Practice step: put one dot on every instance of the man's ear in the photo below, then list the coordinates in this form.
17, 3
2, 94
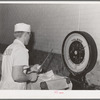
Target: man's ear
24, 35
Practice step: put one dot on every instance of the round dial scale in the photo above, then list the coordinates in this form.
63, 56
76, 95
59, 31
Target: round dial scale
79, 52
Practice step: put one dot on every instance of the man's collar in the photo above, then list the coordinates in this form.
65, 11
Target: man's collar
18, 41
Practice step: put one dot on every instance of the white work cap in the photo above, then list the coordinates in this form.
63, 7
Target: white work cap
22, 27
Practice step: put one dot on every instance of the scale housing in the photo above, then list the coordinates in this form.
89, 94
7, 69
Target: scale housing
79, 53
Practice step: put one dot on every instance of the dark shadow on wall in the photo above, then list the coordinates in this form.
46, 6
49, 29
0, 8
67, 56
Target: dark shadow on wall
30, 47
54, 62
31, 42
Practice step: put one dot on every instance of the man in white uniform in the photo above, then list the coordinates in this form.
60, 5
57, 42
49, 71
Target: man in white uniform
15, 61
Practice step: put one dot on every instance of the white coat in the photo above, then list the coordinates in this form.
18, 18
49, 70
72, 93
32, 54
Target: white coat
15, 54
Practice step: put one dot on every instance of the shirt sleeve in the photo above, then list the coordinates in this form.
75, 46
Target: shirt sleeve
21, 57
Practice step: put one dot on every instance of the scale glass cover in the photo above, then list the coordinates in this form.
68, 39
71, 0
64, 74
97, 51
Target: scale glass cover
79, 52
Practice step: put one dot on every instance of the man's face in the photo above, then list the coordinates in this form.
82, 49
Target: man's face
27, 37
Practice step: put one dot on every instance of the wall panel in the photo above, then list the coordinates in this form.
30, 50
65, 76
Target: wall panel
50, 23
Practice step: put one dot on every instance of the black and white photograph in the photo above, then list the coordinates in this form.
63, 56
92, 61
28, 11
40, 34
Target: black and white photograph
50, 46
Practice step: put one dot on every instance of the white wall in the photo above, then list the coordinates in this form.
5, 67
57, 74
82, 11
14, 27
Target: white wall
51, 22
90, 22
1, 20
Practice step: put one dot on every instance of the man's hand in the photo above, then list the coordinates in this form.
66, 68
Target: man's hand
33, 77
35, 67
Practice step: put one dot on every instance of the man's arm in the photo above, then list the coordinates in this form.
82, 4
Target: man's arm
19, 75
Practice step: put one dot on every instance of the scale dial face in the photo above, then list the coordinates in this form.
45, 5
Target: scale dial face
77, 51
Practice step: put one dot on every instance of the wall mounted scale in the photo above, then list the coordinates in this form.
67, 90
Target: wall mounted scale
79, 52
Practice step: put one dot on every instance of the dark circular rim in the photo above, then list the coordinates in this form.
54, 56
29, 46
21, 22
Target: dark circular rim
92, 52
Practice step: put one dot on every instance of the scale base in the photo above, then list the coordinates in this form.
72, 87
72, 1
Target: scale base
79, 83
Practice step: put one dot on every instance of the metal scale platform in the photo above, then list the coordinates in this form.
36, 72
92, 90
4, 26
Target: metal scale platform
79, 52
